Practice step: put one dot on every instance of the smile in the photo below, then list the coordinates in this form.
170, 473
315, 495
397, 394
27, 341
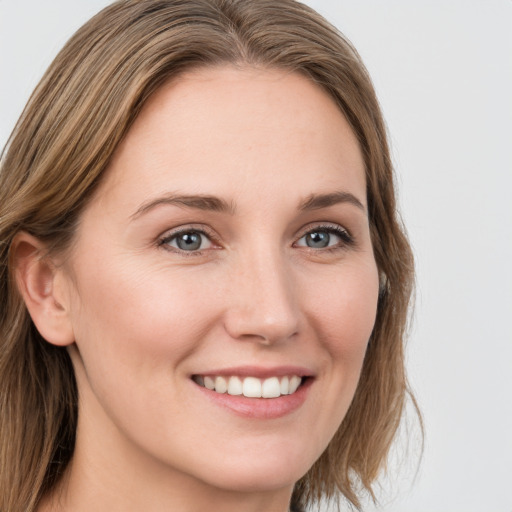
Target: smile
250, 387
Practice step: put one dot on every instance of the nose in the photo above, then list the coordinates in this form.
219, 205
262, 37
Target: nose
263, 305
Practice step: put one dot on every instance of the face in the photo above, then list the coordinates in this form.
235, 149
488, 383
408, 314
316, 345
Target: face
228, 247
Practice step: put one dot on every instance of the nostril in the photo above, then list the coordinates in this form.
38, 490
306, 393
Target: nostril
255, 327
263, 305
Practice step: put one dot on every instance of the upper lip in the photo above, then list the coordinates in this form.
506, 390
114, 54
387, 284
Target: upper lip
260, 371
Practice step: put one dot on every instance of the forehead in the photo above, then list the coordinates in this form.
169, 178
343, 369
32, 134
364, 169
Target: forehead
224, 130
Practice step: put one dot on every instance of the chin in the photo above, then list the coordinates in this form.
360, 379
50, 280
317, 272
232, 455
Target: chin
259, 472
256, 480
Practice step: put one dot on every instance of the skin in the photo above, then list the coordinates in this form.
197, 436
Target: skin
140, 316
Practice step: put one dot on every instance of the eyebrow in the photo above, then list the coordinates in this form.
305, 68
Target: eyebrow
318, 201
199, 202
215, 204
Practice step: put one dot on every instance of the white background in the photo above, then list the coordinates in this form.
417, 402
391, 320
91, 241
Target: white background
443, 73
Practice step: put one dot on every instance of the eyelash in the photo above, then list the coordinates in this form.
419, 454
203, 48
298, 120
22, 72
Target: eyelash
347, 240
169, 237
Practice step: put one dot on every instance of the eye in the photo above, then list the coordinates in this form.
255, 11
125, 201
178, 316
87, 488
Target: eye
190, 240
325, 237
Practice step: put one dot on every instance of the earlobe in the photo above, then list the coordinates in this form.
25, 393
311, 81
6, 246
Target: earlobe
40, 284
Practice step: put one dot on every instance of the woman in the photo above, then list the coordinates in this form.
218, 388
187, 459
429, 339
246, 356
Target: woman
204, 281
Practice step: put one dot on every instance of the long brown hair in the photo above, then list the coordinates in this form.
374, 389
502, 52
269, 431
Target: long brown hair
55, 158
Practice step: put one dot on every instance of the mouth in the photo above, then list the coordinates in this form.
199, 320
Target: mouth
251, 386
256, 392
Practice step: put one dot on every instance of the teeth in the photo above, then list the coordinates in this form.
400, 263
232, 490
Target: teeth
209, 383
294, 384
235, 386
271, 388
221, 385
285, 385
251, 387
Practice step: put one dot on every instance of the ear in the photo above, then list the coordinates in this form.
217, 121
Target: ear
43, 287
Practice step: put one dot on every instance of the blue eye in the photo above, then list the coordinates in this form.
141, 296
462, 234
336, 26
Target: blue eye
325, 237
189, 241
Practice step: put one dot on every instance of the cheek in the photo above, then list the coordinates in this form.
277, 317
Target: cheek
137, 297
136, 327
344, 315
344, 310
341, 312
126, 317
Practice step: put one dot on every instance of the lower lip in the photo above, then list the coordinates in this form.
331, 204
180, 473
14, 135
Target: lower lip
260, 408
